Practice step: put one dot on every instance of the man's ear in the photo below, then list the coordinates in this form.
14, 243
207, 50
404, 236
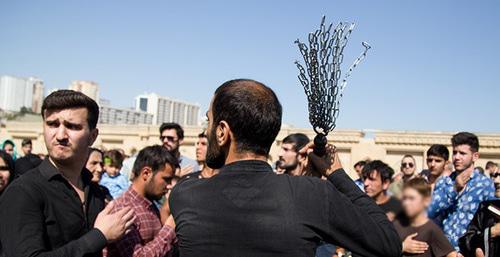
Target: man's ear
146, 173
475, 156
386, 184
94, 133
223, 134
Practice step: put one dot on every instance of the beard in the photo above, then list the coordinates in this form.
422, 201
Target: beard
215, 156
288, 166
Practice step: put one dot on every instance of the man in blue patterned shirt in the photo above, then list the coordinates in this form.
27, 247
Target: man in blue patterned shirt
456, 197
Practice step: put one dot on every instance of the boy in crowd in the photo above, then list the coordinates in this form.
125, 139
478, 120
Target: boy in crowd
457, 197
358, 167
420, 236
112, 179
437, 160
377, 177
153, 231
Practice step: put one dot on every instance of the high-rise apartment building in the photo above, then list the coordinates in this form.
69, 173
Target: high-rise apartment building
89, 88
165, 109
16, 93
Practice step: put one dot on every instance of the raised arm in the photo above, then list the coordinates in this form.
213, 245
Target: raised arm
352, 219
443, 197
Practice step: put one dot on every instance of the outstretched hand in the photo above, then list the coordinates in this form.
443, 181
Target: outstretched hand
324, 165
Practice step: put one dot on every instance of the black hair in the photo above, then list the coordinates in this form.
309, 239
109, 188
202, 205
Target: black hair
298, 140
8, 142
466, 138
67, 99
26, 141
172, 125
385, 171
439, 151
155, 157
490, 165
115, 157
9, 162
360, 163
203, 134
252, 111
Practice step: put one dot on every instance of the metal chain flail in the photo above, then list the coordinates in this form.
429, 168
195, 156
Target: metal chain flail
321, 76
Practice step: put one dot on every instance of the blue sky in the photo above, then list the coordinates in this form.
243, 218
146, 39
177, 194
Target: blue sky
433, 65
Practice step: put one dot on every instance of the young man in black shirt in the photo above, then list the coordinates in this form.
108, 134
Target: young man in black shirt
55, 210
377, 178
248, 210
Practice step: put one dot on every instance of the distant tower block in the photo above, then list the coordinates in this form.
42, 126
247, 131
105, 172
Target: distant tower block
89, 88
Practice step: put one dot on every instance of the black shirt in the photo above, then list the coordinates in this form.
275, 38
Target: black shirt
247, 210
392, 207
42, 215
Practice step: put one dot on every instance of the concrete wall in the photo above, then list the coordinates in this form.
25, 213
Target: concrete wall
354, 145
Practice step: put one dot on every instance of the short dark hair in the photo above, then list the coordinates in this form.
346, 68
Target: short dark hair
115, 158
26, 141
360, 163
439, 151
172, 125
9, 162
490, 165
156, 157
384, 170
203, 134
420, 185
298, 140
253, 112
67, 99
466, 138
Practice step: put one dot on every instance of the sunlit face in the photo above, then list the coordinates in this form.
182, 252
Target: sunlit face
159, 183
408, 166
374, 186
27, 149
112, 170
95, 165
463, 157
170, 139
8, 148
201, 149
436, 164
414, 203
67, 135
215, 155
496, 179
288, 157
4, 175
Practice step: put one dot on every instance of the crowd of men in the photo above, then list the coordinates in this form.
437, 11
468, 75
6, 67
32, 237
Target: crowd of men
228, 201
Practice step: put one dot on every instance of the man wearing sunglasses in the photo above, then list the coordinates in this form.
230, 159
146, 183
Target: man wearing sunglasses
407, 172
172, 136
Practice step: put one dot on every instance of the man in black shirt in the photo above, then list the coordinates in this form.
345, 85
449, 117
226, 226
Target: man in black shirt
247, 210
377, 177
55, 209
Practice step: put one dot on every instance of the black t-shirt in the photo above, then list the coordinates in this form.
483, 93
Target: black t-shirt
392, 207
430, 233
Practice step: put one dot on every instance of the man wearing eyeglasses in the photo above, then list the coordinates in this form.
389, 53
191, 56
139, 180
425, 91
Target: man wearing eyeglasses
171, 136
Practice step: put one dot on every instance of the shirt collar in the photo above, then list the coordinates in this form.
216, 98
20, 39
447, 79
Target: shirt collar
137, 198
49, 171
247, 166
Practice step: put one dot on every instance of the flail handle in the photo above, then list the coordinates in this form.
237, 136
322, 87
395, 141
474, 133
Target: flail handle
320, 142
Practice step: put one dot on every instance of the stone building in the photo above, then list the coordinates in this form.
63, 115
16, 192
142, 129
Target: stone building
354, 145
